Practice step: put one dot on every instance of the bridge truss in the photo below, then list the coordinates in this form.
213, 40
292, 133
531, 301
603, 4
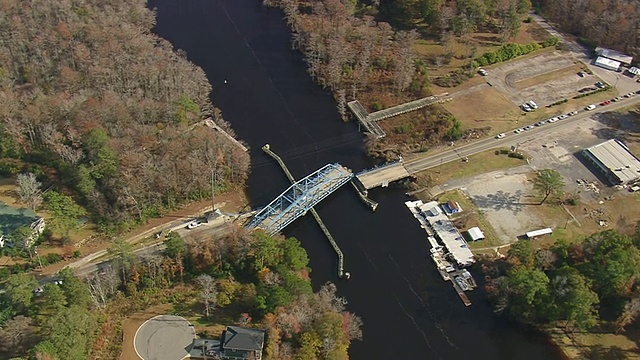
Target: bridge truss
300, 198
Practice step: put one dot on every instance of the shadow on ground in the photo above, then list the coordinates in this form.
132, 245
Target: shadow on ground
501, 201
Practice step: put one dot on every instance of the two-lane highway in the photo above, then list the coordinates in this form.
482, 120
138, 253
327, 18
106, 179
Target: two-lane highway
460, 152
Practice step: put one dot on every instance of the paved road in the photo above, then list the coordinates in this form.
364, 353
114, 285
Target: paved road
458, 153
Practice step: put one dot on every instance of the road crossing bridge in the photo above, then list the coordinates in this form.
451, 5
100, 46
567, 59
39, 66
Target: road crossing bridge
300, 197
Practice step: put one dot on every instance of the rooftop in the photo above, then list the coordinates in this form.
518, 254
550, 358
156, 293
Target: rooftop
12, 218
607, 62
447, 233
615, 55
617, 157
239, 338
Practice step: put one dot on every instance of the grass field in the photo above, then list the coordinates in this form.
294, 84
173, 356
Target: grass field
478, 164
487, 107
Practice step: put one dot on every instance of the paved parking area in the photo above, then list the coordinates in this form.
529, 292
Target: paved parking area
164, 337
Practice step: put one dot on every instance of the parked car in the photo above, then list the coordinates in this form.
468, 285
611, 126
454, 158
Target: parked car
581, 74
532, 104
605, 103
574, 112
526, 107
194, 224
600, 85
500, 136
483, 72
590, 107
518, 131
617, 98
563, 116
529, 127
553, 119
629, 95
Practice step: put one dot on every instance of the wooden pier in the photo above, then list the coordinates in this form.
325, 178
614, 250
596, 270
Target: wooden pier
209, 123
336, 248
363, 117
369, 120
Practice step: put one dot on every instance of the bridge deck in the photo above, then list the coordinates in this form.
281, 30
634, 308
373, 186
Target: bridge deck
300, 198
382, 176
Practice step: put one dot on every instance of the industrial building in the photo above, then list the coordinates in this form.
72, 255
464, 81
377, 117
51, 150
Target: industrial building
608, 64
615, 161
614, 55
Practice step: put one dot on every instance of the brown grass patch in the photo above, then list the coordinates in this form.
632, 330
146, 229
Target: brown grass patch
543, 78
484, 108
481, 163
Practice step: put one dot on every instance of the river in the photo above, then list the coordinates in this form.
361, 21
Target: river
264, 91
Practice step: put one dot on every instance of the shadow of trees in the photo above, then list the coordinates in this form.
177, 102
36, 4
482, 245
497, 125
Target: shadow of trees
599, 352
502, 200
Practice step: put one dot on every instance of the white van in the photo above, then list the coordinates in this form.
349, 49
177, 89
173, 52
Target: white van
590, 107
532, 104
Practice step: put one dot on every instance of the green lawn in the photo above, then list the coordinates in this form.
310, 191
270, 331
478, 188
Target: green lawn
481, 163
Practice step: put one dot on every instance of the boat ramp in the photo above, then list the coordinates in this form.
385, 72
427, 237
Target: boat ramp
446, 265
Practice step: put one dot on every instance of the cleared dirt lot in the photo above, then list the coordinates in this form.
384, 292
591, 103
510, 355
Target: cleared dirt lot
544, 78
507, 200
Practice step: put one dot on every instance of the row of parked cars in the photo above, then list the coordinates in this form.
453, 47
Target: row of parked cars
542, 122
607, 102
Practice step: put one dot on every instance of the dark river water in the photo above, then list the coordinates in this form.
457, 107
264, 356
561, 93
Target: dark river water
408, 311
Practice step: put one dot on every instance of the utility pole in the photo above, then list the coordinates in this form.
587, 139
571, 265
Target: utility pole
213, 186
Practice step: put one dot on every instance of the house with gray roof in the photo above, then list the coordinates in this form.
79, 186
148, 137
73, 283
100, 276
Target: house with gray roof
236, 343
240, 343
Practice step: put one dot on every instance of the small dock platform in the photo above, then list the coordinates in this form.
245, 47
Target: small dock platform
461, 279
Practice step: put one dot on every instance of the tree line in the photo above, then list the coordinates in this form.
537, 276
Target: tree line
611, 23
95, 104
572, 285
252, 278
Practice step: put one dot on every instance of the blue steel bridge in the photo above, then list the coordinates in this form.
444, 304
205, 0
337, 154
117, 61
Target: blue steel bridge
300, 197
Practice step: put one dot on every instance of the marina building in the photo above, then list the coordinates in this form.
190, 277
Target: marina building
446, 232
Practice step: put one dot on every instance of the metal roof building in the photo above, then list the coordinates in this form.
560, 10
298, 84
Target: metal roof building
614, 55
607, 63
615, 161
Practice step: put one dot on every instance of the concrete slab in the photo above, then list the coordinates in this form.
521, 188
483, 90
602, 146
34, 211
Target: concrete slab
164, 337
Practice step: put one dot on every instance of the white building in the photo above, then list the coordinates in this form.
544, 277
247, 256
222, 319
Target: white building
607, 63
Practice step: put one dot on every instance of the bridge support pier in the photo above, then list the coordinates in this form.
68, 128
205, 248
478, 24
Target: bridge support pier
341, 273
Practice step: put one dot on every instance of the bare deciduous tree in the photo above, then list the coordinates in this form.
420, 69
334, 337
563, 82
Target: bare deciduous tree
29, 190
208, 292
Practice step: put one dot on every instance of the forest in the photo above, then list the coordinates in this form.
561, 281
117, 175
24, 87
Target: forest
575, 286
99, 108
610, 23
246, 279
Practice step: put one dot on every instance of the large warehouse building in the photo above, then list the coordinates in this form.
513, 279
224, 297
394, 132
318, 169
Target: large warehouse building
615, 161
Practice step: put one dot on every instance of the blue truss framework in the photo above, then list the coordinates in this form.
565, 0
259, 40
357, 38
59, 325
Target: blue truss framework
300, 198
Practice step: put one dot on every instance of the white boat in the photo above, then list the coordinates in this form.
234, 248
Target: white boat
462, 283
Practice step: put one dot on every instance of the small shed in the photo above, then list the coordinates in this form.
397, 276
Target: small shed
608, 64
536, 233
453, 207
475, 234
